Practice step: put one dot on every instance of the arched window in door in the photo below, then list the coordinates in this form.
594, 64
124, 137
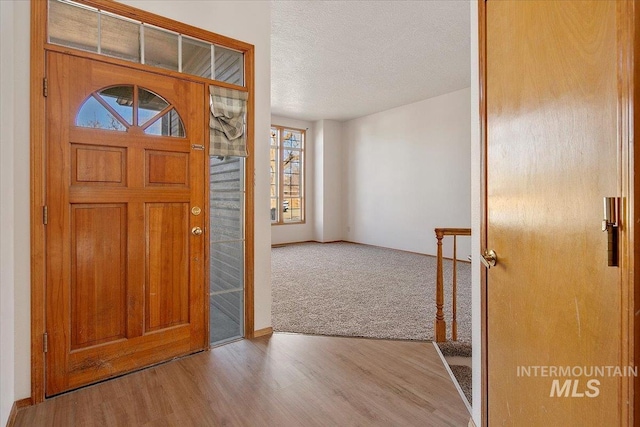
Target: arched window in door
120, 108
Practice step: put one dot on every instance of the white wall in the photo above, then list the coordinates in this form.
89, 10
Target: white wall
217, 16
329, 181
7, 205
318, 172
333, 182
407, 172
288, 233
476, 319
15, 264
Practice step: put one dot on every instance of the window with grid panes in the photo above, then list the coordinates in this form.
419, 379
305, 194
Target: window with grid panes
287, 175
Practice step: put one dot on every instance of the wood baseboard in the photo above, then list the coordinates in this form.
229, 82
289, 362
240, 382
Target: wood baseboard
263, 332
14, 410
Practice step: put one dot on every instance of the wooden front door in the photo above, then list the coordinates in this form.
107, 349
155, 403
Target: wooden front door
125, 261
552, 155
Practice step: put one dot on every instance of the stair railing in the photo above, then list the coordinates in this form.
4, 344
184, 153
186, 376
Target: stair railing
440, 326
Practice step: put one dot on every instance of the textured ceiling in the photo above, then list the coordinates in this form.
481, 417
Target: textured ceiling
346, 59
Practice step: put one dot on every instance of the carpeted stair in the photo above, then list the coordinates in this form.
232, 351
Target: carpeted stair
461, 372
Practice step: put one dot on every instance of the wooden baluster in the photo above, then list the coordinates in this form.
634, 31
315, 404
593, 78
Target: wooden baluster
440, 326
454, 322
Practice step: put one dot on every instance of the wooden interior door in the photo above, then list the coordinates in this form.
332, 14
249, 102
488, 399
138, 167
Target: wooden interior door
552, 155
125, 167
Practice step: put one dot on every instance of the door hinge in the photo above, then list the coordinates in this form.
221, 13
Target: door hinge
45, 87
45, 342
45, 215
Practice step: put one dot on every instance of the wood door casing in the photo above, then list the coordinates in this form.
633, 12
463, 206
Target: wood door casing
552, 154
125, 276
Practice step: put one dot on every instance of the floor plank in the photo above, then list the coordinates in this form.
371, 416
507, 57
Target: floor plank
278, 380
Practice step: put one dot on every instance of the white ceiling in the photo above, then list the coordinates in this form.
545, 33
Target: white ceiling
346, 59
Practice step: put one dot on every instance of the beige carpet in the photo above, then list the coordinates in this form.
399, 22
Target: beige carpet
347, 289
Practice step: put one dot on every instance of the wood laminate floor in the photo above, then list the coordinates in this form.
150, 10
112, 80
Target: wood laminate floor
282, 380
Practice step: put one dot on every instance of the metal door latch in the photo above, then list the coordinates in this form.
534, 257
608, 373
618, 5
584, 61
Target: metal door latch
611, 225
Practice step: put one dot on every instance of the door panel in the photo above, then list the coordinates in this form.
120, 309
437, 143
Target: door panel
125, 274
167, 168
552, 150
99, 165
98, 274
167, 268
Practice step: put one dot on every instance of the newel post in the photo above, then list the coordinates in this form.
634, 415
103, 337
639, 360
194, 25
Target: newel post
440, 326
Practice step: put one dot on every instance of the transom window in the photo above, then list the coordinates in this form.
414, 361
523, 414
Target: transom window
287, 175
120, 108
86, 28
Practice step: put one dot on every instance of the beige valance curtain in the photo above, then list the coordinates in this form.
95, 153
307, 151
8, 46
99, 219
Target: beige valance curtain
227, 131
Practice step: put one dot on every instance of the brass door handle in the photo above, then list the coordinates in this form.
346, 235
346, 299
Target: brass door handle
489, 258
196, 231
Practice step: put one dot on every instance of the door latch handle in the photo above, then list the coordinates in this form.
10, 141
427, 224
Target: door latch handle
196, 231
489, 258
611, 225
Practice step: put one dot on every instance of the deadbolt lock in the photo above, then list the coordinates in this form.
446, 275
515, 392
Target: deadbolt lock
196, 210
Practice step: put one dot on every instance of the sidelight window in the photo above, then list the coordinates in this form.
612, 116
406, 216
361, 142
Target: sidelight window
226, 248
